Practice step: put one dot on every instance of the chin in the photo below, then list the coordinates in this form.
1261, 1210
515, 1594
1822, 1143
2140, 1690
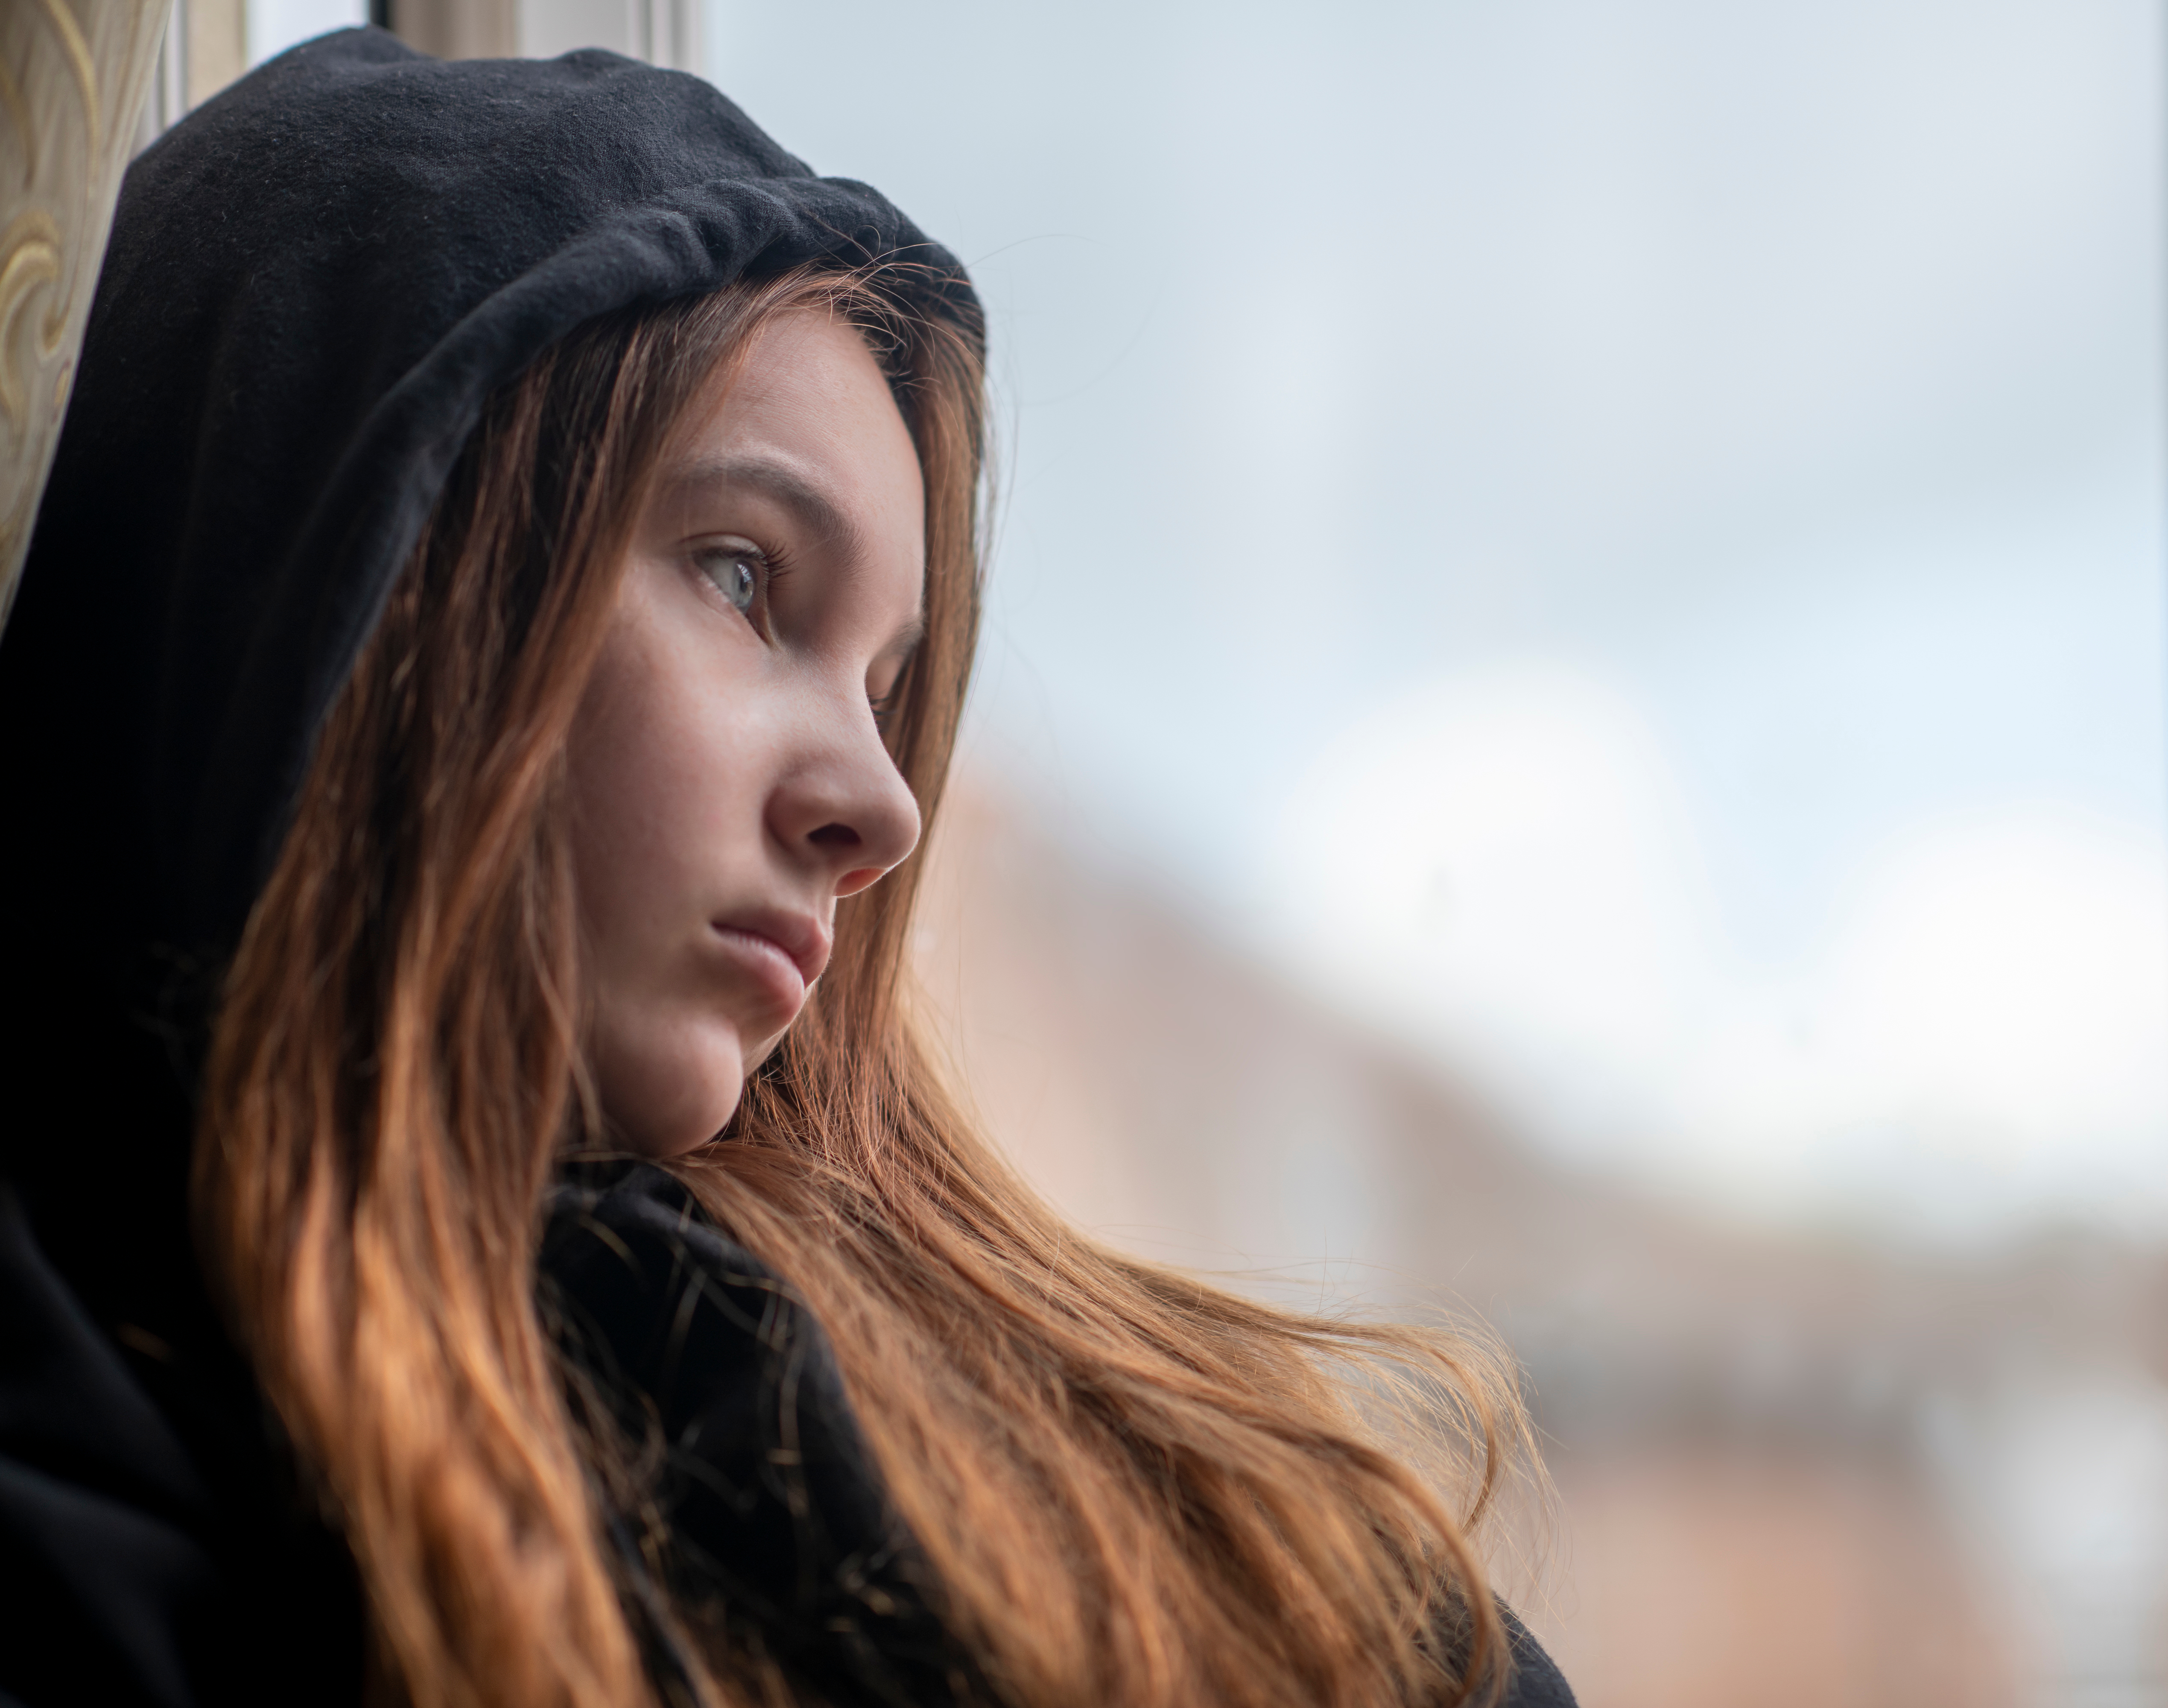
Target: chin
665, 1138
663, 1107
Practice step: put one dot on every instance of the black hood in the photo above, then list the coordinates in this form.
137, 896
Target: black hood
313, 284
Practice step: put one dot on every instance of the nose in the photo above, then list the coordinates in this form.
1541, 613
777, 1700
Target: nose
845, 810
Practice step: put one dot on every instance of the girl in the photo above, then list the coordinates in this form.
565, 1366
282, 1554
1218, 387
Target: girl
492, 640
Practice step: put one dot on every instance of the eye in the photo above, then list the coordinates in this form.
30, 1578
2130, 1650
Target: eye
739, 569
890, 700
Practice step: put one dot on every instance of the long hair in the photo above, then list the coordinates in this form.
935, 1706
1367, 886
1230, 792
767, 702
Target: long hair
1128, 1486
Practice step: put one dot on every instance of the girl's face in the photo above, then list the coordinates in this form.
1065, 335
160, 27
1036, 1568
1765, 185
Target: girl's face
728, 778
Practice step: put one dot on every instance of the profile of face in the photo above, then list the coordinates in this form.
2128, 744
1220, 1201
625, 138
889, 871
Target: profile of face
728, 778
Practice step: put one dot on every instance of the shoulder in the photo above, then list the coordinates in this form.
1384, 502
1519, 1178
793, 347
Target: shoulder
1537, 1682
764, 1503
150, 1552
103, 1566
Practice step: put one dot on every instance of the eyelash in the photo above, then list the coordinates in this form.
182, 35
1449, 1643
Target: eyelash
770, 567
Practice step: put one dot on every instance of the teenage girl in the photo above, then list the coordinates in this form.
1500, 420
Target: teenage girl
492, 642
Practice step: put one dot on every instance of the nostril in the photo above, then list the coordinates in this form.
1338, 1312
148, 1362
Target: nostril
835, 836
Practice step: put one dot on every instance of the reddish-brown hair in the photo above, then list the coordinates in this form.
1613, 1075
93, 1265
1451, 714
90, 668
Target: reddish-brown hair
1130, 1486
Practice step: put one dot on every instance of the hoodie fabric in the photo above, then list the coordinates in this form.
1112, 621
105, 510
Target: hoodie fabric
312, 285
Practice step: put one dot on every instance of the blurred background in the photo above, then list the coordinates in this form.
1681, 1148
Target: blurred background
1572, 730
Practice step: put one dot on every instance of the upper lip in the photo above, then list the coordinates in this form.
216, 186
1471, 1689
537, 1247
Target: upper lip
800, 936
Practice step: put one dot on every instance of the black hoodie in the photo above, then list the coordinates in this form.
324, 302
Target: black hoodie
313, 284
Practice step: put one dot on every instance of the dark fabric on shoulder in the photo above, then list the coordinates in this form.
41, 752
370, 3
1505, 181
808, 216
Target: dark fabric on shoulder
1537, 1682
767, 1514
101, 1565
128, 1576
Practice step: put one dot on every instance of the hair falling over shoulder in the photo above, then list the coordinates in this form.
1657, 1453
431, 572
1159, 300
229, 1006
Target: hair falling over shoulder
1129, 1487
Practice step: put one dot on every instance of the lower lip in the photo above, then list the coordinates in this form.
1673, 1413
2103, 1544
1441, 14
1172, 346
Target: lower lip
775, 973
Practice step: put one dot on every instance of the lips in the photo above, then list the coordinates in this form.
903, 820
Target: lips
787, 950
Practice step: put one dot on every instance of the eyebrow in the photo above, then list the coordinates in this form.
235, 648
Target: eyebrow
810, 505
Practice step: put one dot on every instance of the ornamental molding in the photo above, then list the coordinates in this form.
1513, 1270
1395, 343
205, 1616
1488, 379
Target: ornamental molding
74, 75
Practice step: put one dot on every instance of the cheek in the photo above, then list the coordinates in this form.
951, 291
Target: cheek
647, 807
663, 828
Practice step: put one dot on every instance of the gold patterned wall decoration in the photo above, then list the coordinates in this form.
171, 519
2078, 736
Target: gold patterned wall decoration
73, 77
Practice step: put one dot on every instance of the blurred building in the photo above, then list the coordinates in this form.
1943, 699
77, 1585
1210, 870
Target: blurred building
1790, 1469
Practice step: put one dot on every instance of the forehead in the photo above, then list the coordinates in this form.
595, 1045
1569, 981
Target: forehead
808, 405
